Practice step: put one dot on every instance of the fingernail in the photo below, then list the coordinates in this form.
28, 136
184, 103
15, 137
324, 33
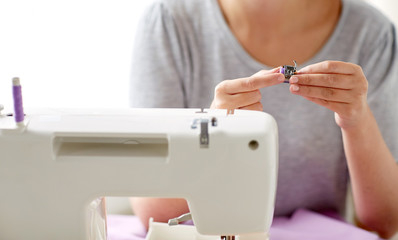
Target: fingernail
293, 79
281, 78
295, 88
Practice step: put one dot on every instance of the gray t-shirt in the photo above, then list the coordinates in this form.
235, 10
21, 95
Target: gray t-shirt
184, 48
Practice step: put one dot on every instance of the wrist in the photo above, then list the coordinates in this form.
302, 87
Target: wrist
360, 121
361, 124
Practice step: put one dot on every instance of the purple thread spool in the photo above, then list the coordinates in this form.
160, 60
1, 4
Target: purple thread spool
282, 70
288, 71
17, 95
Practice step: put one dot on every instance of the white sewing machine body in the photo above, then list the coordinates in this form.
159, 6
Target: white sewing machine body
61, 160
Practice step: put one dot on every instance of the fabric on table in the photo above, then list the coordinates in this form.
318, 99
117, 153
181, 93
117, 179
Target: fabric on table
125, 227
308, 225
303, 224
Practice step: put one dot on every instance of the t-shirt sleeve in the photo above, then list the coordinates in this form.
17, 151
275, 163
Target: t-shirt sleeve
156, 78
381, 70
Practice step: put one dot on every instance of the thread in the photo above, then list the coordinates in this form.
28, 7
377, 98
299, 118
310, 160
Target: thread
17, 96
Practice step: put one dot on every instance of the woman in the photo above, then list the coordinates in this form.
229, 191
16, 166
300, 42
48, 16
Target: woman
337, 118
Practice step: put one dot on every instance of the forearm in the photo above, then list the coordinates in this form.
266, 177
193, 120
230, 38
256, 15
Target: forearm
374, 176
160, 209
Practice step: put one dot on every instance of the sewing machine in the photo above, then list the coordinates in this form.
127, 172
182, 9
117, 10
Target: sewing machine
56, 163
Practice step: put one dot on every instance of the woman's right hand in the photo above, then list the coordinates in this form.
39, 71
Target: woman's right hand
244, 93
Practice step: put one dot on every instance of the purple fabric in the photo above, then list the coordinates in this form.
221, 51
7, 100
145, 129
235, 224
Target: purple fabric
125, 227
303, 224
310, 226
18, 106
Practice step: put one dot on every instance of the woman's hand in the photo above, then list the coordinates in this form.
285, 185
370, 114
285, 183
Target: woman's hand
339, 86
244, 93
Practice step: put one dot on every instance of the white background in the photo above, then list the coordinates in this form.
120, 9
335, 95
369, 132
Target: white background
70, 53
388, 7
74, 53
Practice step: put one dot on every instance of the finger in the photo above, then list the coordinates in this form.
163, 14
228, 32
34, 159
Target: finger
324, 80
330, 67
242, 99
251, 83
233, 101
256, 107
331, 105
324, 93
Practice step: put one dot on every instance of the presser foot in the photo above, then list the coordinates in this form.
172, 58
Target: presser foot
182, 218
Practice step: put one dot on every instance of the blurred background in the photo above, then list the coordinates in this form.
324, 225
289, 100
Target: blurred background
76, 54
73, 53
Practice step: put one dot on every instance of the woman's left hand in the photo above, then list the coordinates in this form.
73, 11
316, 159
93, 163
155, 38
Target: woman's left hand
339, 86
